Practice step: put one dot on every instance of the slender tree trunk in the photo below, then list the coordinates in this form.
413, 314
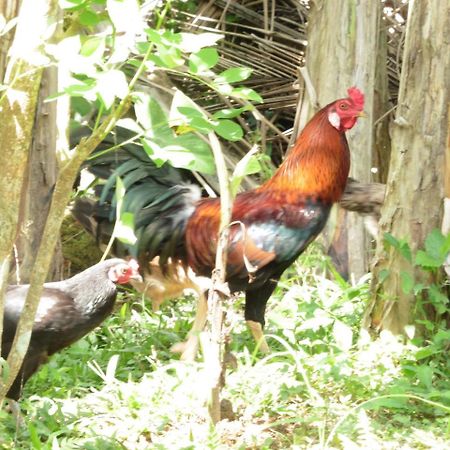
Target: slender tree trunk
39, 183
413, 204
343, 53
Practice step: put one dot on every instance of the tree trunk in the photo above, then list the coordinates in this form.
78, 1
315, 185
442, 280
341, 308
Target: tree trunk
343, 53
39, 182
415, 183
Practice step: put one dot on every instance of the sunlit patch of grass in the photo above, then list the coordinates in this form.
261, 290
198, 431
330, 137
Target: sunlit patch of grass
325, 384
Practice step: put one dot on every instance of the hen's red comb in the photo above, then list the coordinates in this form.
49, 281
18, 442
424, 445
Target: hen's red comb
356, 96
133, 264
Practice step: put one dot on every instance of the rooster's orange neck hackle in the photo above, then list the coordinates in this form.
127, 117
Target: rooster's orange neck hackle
317, 166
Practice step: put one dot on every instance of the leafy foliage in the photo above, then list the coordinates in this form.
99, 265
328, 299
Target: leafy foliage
326, 384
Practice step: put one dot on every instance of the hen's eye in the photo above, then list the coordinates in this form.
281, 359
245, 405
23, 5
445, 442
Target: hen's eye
343, 106
123, 270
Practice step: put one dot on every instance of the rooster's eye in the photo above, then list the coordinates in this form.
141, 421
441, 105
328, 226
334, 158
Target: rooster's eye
343, 106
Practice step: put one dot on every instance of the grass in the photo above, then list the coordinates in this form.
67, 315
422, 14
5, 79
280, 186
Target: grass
325, 385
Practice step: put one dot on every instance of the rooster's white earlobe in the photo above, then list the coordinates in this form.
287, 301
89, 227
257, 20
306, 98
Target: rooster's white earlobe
334, 119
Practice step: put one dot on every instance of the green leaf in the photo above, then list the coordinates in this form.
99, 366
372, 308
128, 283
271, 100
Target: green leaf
193, 42
425, 352
343, 335
69, 4
246, 94
203, 60
438, 299
247, 165
89, 18
233, 75
81, 88
152, 118
186, 151
110, 85
399, 403
435, 245
407, 282
183, 110
93, 47
124, 229
154, 36
229, 130
423, 259
405, 251
383, 275
125, 15
201, 125
169, 57
231, 113
425, 375
391, 240
190, 113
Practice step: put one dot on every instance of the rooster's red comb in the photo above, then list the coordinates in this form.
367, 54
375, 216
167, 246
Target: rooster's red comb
357, 97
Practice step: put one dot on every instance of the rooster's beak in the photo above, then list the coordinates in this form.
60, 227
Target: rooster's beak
362, 114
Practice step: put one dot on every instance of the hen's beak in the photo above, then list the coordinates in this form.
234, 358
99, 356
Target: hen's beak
363, 115
136, 276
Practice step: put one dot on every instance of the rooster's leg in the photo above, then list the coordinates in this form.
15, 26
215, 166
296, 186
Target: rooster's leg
257, 332
189, 348
255, 308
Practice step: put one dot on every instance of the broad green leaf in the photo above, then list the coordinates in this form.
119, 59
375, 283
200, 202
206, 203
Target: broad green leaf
343, 335
169, 57
191, 43
246, 94
183, 110
85, 88
124, 229
247, 165
110, 85
229, 130
423, 259
407, 282
405, 251
93, 47
190, 113
69, 4
80, 105
231, 113
89, 18
425, 375
233, 75
383, 275
185, 152
391, 240
438, 299
435, 245
399, 403
203, 60
125, 15
425, 352
201, 125
5, 26
151, 117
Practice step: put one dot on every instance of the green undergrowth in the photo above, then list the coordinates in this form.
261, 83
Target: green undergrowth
325, 385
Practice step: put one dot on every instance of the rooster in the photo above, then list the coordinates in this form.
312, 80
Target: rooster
67, 311
271, 225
